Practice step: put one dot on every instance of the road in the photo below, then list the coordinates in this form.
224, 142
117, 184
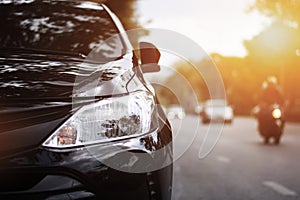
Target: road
239, 166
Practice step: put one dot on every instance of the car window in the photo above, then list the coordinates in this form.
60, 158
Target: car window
76, 27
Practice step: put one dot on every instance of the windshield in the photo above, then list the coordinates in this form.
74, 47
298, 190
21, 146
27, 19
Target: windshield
64, 26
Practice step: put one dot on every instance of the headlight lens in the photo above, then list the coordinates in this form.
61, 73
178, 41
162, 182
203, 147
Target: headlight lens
276, 113
107, 120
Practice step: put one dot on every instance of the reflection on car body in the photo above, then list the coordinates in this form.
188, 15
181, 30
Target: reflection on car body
69, 125
216, 110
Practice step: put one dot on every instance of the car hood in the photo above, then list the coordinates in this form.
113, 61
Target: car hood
40, 91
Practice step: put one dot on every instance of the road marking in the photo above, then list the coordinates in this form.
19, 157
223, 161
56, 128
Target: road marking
223, 159
279, 188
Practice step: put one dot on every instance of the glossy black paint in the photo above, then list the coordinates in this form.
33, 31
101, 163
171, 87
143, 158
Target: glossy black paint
46, 75
65, 26
39, 91
86, 167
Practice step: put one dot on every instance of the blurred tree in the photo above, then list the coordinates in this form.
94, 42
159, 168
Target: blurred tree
186, 86
166, 96
240, 81
277, 42
126, 12
283, 9
192, 76
286, 60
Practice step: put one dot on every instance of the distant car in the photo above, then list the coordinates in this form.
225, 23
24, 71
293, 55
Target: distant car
216, 110
175, 111
198, 108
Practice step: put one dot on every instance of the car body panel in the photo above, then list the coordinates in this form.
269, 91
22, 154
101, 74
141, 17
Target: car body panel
42, 88
42, 97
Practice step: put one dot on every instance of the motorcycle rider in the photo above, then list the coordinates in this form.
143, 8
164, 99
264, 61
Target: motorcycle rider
270, 94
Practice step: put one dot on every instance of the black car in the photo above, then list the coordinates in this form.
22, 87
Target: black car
77, 118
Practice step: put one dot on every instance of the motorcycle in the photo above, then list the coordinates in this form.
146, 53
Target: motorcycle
270, 122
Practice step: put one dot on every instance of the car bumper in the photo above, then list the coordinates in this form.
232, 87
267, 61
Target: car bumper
89, 173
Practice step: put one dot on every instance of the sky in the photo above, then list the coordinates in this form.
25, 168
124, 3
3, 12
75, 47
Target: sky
216, 25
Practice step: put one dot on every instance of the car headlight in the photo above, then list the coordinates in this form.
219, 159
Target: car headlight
276, 113
107, 120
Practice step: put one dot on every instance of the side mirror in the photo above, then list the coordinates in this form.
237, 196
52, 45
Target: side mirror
149, 57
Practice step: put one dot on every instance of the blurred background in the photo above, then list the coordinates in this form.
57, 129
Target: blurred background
247, 40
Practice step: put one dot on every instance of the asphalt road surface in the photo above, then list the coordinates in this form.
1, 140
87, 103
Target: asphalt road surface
239, 166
